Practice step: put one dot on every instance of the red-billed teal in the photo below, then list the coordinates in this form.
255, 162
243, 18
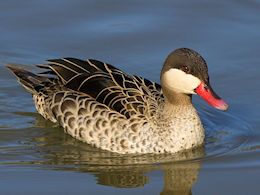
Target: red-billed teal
103, 106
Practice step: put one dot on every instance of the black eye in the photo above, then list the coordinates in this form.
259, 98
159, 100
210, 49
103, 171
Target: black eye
185, 68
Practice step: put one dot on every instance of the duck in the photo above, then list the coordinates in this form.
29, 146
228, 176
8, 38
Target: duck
101, 105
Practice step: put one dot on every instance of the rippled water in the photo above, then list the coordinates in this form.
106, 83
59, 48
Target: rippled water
37, 157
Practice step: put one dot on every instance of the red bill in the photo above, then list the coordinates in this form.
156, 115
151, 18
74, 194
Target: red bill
207, 93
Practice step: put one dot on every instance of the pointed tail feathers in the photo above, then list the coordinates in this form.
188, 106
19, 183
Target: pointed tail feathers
28, 80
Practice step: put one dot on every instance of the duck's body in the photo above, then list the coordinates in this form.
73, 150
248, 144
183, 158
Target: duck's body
109, 109
87, 120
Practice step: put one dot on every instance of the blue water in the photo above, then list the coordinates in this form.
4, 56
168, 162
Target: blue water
36, 157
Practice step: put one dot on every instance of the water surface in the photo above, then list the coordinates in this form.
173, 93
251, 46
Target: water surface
38, 158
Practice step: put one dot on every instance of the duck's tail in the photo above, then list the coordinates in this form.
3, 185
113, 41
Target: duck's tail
30, 81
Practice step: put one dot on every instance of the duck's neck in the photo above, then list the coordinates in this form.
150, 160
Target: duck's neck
178, 106
176, 101
178, 109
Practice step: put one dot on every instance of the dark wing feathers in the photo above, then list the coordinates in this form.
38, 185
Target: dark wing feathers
89, 83
103, 66
108, 85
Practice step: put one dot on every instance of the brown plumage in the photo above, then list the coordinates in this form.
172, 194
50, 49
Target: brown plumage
109, 109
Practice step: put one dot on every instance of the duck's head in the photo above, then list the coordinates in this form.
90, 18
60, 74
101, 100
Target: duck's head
184, 73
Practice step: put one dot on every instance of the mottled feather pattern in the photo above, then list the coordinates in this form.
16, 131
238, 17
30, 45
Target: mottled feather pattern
101, 105
94, 123
109, 109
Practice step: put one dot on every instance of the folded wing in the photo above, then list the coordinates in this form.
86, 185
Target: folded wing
126, 94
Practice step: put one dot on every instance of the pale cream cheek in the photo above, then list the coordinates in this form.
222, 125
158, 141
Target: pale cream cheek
180, 82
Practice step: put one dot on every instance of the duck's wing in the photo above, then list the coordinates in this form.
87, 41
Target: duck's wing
126, 94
